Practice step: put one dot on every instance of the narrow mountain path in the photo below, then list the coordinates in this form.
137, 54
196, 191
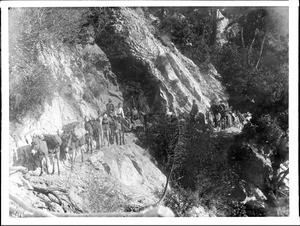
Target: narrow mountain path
108, 180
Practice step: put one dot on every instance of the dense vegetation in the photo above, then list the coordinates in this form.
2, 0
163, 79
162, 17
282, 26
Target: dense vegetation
201, 171
253, 63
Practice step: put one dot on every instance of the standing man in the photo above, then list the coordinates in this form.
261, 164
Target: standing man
128, 113
223, 111
134, 114
120, 111
194, 111
215, 110
110, 108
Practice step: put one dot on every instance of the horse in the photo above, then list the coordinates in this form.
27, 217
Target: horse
223, 112
134, 114
75, 140
236, 120
113, 126
123, 126
200, 118
119, 132
105, 128
95, 130
209, 118
126, 124
241, 117
88, 127
74, 144
229, 119
218, 120
50, 142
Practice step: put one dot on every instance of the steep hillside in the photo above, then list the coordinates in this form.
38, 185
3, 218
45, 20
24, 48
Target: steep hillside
80, 89
167, 78
65, 64
111, 179
54, 83
80, 78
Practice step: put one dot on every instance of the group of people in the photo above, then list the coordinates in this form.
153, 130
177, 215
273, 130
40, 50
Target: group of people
114, 122
133, 114
220, 116
111, 110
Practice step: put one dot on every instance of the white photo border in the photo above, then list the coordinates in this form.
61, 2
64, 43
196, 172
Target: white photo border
293, 219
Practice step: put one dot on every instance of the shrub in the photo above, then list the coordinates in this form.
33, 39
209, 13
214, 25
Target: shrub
201, 168
31, 92
102, 195
181, 201
159, 139
30, 30
237, 209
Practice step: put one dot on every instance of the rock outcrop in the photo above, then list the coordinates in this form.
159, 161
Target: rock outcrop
221, 28
167, 78
83, 78
108, 180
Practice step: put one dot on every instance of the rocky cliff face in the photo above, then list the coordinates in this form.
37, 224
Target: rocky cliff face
84, 76
108, 180
168, 78
140, 65
82, 87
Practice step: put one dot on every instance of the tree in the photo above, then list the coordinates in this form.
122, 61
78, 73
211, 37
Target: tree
254, 69
193, 30
254, 65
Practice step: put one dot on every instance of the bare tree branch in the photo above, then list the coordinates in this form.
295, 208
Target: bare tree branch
242, 37
244, 47
283, 174
261, 49
251, 46
47, 192
36, 212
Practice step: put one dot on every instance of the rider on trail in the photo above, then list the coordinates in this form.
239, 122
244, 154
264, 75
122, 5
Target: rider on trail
194, 111
134, 114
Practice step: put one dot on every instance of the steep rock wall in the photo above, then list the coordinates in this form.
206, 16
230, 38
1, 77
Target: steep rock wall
168, 78
108, 180
82, 83
85, 76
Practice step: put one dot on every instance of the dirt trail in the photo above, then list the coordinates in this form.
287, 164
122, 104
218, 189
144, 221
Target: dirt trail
109, 179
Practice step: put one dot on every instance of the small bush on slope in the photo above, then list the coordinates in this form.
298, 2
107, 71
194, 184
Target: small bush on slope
103, 195
30, 93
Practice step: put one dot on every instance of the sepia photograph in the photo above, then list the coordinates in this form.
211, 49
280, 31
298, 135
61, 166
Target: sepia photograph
149, 111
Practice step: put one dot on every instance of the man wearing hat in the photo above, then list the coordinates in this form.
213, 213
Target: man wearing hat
120, 111
110, 108
194, 111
